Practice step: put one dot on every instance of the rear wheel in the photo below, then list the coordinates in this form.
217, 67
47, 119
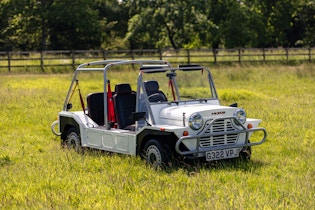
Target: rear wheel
73, 139
157, 155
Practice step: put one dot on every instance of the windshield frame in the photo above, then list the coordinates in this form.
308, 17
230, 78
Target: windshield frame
171, 72
142, 96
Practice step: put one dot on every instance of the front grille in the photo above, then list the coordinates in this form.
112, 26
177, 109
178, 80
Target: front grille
224, 125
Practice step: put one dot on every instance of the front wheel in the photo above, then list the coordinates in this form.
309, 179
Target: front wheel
73, 139
246, 152
156, 155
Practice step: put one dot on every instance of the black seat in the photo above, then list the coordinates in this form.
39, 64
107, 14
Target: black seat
95, 105
125, 105
153, 92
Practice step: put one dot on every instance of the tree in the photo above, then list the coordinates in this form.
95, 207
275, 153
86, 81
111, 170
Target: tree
164, 23
74, 25
4, 26
108, 24
235, 27
113, 18
50, 24
307, 20
20, 24
282, 22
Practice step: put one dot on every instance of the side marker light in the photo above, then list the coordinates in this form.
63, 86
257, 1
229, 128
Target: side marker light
249, 126
185, 133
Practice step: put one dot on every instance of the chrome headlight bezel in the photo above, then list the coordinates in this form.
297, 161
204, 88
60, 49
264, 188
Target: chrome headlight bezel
195, 121
240, 115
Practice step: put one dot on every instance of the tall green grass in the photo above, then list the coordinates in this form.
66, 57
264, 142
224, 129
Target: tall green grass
36, 173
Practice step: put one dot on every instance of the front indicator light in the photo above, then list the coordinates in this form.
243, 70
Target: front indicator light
249, 126
185, 133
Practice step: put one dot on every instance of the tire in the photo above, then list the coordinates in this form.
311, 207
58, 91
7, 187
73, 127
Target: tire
157, 155
73, 140
246, 153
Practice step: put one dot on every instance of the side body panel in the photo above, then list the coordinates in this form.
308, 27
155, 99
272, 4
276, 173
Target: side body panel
98, 137
113, 140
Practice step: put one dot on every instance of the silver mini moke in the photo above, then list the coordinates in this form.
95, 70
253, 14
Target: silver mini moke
163, 113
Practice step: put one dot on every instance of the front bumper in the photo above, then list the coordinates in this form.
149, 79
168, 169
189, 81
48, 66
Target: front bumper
210, 132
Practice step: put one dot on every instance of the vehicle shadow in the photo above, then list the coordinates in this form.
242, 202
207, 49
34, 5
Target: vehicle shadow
193, 167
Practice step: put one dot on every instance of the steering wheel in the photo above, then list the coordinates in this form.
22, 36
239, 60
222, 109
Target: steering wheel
157, 97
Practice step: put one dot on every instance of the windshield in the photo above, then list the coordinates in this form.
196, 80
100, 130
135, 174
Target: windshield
179, 85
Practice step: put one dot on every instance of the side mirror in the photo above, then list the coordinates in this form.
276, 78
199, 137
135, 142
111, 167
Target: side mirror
69, 106
233, 105
136, 116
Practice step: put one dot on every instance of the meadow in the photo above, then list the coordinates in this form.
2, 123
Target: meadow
36, 173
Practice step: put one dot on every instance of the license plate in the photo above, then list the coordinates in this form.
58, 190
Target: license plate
222, 154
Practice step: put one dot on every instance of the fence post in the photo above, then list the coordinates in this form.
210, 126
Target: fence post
9, 61
161, 55
287, 53
73, 59
239, 55
188, 56
104, 54
42, 61
264, 54
309, 54
132, 55
215, 55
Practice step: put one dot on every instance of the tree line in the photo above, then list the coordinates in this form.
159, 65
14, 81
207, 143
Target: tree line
148, 24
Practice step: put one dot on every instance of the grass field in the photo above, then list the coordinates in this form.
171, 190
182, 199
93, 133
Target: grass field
36, 173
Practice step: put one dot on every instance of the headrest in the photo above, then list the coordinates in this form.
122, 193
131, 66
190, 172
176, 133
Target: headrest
151, 85
122, 88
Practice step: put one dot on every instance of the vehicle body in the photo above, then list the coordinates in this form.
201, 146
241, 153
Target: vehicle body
185, 121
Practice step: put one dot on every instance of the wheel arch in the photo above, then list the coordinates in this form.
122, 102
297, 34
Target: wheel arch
65, 124
165, 138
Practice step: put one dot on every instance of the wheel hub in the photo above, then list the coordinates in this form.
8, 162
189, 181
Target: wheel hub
153, 155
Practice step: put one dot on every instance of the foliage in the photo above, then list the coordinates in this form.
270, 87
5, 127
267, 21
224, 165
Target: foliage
140, 24
71, 28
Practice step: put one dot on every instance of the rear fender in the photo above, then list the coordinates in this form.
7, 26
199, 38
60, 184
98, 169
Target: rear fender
74, 119
65, 123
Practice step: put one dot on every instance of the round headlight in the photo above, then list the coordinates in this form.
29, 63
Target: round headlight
240, 114
195, 121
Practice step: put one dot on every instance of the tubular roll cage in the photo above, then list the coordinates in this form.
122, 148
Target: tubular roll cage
160, 66
106, 65
203, 135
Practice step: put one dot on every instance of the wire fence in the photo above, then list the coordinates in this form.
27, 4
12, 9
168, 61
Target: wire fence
63, 60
